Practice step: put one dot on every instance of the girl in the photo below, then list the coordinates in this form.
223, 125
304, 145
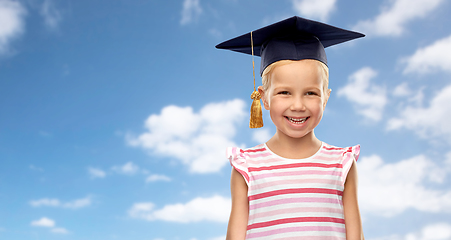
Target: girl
294, 186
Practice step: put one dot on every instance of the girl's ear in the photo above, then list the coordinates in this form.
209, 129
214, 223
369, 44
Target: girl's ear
326, 96
264, 97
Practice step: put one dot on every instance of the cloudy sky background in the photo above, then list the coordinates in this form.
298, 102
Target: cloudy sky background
115, 115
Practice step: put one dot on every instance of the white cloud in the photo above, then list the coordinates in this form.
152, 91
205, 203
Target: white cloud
191, 11
369, 99
43, 222
47, 222
12, 15
77, 203
128, 168
388, 189
52, 16
432, 58
261, 135
402, 90
54, 202
45, 202
427, 122
436, 231
317, 9
448, 161
215, 33
158, 177
407, 96
395, 15
96, 172
198, 140
35, 168
59, 230
215, 209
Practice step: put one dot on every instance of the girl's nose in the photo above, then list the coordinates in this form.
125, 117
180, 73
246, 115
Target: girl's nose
297, 105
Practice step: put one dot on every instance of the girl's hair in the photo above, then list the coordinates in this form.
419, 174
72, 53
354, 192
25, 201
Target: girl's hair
266, 81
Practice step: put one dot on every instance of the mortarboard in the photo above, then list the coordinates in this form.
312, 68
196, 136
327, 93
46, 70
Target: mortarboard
294, 38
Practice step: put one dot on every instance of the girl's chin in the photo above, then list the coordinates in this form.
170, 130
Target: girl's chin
295, 135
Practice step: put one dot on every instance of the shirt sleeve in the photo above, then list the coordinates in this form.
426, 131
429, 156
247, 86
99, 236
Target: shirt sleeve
349, 155
237, 159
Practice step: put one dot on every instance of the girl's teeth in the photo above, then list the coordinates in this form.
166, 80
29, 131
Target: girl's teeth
297, 120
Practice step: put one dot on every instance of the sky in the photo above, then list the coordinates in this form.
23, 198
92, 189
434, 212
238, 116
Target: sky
115, 115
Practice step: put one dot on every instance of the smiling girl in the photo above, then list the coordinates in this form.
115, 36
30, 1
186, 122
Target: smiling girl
294, 186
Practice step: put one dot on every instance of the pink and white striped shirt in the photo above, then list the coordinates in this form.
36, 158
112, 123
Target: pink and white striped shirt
293, 198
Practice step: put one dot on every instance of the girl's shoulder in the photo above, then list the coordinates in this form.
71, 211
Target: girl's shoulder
346, 156
240, 158
352, 151
245, 153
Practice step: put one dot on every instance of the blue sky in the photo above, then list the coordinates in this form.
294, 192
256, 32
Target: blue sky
115, 115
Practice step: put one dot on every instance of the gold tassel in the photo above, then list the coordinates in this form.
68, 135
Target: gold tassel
256, 111
256, 120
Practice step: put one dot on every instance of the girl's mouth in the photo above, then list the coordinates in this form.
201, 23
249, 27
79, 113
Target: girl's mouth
297, 120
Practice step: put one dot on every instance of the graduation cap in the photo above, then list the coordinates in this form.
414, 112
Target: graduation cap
294, 38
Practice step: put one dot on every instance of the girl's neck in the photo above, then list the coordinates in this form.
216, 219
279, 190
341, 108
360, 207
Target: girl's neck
294, 148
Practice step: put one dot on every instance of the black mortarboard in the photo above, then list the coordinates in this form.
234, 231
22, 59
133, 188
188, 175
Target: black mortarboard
294, 38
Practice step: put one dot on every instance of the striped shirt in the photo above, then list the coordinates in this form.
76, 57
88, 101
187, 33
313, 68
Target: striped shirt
293, 198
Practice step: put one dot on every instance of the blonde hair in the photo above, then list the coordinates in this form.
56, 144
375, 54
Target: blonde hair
266, 81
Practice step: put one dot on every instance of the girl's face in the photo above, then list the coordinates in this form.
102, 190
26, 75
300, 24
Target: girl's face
296, 99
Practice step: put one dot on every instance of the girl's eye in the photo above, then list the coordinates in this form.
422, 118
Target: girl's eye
311, 93
284, 92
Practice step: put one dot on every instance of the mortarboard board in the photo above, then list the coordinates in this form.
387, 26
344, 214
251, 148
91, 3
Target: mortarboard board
294, 38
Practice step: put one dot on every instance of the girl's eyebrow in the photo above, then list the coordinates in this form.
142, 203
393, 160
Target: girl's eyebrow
291, 87
316, 88
282, 88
